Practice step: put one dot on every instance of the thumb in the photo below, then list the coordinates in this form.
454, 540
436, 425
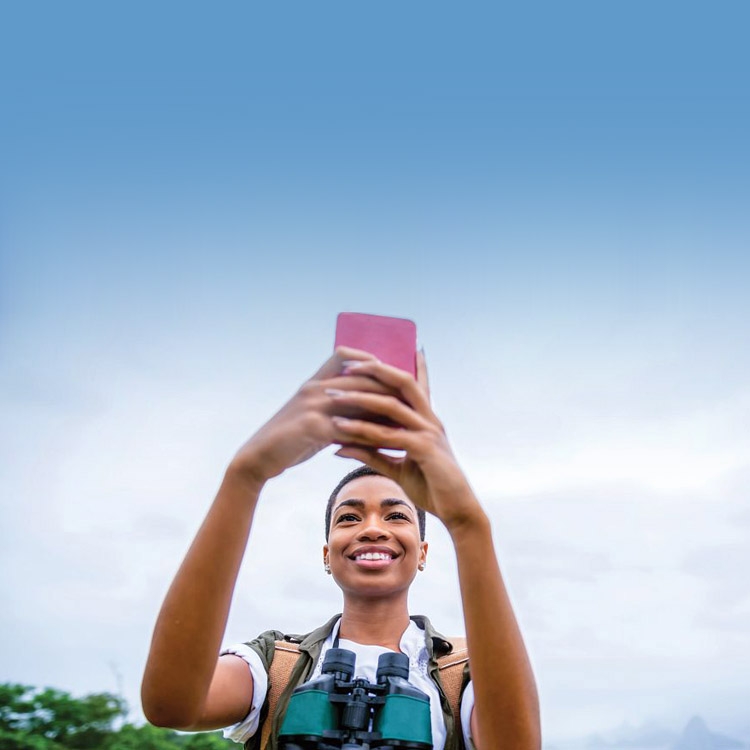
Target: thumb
422, 376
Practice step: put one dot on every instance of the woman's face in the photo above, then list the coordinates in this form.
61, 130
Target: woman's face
373, 545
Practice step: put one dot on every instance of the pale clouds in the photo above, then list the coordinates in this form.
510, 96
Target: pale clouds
620, 530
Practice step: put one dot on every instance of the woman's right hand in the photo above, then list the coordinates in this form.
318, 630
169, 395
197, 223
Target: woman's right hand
303, 427
183, 686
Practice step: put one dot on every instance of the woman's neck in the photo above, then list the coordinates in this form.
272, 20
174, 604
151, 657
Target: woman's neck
374, 623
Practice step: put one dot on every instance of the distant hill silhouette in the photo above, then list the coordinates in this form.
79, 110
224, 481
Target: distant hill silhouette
648, 735
653, 736
697, 736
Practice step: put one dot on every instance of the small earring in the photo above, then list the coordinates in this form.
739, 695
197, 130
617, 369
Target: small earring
327, 568
422, 565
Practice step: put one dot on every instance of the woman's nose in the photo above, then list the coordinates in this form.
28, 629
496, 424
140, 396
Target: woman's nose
373, 529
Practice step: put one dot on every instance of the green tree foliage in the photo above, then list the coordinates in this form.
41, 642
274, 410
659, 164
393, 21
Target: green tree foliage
50, 719
207, 741
146, 737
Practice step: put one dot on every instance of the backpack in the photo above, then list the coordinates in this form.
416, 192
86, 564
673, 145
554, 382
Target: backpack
450, 666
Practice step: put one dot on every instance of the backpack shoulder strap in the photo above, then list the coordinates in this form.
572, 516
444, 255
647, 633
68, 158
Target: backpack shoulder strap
285, 656
451, 669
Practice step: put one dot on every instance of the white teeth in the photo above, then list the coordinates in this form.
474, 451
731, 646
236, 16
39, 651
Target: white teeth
373, 556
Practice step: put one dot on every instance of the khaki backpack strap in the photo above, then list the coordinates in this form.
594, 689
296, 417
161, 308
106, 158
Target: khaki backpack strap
285, 656
451, 668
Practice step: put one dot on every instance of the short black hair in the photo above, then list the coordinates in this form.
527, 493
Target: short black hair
364, 471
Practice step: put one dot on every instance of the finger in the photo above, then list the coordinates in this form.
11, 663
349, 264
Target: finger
333, 365
370, 434
402, 381
388, 407
422, 376
386, 465
362, 383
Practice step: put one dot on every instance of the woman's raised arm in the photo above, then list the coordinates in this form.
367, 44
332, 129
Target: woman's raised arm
185, 685
506, 707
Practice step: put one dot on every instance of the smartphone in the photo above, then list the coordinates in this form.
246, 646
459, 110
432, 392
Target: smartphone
391, 340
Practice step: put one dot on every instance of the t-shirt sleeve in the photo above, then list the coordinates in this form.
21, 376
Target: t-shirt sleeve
246, 728
467, 706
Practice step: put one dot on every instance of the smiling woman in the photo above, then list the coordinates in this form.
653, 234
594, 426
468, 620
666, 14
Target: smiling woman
375, 546
373, 527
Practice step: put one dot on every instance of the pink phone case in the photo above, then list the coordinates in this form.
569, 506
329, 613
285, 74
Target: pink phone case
391, 340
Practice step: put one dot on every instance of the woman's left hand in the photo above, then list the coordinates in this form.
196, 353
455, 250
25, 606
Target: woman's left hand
428, 472
506, 708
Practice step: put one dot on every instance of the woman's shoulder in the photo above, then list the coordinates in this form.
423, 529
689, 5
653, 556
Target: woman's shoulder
268, 641
438, 644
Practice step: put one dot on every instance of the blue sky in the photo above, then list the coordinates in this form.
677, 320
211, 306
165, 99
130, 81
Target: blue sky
557, 195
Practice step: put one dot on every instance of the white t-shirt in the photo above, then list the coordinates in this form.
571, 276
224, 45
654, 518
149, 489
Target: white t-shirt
412, 644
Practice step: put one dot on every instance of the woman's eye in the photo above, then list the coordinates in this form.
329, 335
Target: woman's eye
346, 517
398, 516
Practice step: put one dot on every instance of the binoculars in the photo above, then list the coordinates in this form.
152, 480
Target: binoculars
334, 712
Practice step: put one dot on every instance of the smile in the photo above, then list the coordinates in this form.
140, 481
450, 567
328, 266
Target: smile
373, 556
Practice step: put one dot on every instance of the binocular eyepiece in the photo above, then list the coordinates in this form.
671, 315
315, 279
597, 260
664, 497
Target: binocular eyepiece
336, 712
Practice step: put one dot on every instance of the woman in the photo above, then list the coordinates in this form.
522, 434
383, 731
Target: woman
363, 405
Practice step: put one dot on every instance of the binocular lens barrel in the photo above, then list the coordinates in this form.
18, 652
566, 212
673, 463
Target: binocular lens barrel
339, 660
393, 665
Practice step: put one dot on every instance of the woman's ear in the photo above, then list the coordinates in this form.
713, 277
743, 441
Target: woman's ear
423, 546
325, 555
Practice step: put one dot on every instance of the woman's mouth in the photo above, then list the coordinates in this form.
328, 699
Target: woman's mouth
373, 559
